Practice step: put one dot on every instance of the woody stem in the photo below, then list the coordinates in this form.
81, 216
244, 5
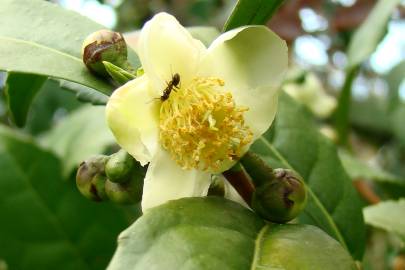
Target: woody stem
237, 177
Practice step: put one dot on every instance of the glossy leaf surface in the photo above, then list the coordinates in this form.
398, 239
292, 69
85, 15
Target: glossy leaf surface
248, 12
20, 91
80, 135
46, 223
216, 234
42, 38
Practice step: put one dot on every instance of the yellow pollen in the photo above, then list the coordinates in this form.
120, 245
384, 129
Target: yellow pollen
201, 127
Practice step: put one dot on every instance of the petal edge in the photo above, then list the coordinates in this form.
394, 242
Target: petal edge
165, 181
132, 115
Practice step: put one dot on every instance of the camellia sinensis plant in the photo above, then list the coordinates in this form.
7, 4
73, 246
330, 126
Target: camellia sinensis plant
177, 117
199, 156
190, 113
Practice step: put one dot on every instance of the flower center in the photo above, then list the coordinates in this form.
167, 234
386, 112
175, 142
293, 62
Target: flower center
201, 127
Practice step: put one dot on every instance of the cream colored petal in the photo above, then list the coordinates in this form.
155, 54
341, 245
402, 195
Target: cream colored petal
166, 48
252, 61
165, 181
262, 103
247, 57
133, 115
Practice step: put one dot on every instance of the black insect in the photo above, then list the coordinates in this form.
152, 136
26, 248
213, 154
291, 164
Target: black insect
173, 84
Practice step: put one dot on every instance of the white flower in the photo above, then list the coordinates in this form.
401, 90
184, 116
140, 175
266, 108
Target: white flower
225, 99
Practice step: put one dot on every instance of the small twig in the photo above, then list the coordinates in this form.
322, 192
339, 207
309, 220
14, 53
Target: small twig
366, 192
241, 182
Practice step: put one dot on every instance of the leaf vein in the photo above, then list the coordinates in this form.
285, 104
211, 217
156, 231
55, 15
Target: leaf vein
318, 203
22, 172
40, 46
258, 243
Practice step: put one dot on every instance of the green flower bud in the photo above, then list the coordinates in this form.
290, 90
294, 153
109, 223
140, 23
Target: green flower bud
119, 166
129, 192
97, 187
90, 178
104, 45
282, 198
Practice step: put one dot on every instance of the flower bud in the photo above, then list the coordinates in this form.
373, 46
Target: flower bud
119, 166
97, 187
90, 178
282, 198
129, 192
104, 45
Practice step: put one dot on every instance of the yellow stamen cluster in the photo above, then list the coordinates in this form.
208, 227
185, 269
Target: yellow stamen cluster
201, 127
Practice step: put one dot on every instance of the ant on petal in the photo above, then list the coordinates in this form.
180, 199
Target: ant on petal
173, 84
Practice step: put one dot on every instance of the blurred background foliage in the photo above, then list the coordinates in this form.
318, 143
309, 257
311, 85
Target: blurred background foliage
318, 34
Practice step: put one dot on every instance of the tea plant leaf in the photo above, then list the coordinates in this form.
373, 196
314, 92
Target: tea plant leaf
293, 142
358, 169
80, 135
394, 79
247, 12
49, 106
42, 38
45, 222
387, 215
20, 90
84, 93
361, 46
370, 33
213, 233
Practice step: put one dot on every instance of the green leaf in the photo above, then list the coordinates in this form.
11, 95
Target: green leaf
248, 12
50, 105
294, 142
379, 124
362, 45
84, 93
387, 113
394, 78
370, 33
388, 185
213, 233
387, 215
397, 123
78, 136
358, 169
42, 38
20, 90
45, 222
342, 112
118, 74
